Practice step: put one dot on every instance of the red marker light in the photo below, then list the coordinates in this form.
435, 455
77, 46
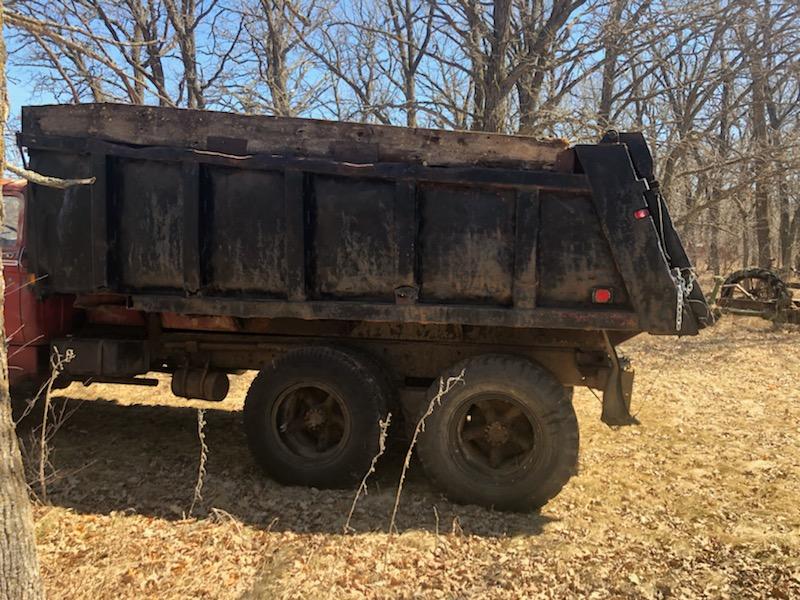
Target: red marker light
601, 295
641, 214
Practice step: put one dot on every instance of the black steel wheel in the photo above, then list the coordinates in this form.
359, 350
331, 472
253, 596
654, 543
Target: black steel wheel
495, 433
313, 416
311, 420
507, 438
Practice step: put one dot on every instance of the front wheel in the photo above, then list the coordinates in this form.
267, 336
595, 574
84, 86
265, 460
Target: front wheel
507, 438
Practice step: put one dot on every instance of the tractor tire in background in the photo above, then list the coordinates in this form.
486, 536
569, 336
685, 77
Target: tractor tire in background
762, 284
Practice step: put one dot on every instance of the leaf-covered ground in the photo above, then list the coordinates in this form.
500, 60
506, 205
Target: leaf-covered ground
701, 500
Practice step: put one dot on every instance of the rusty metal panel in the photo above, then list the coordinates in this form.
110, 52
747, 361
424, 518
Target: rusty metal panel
635, 244
101, 356
240, 134
171, 320
99, 221
384, 312
244, 231
55, 249
148, 222
355, 239
295, 207
172, 226
467, 244
574, 255
527, 222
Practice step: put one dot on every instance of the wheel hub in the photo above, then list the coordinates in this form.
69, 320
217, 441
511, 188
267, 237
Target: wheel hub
311, 421
496, 433
314, 418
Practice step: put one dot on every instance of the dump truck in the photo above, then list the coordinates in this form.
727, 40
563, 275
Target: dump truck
359, 268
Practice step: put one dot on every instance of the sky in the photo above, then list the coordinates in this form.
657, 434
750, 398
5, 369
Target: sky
20, 94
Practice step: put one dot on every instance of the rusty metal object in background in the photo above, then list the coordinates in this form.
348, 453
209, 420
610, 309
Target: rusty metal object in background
757, 292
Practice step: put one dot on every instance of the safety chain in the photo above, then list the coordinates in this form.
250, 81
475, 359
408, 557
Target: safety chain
684, 287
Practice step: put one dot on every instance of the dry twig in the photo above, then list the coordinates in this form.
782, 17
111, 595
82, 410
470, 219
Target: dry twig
57, 362
444, 388
384, 425
45, 180
201, 468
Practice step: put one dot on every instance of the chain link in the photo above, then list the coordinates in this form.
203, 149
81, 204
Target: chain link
683, 288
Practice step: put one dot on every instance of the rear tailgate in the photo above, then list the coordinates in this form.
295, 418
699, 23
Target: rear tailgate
645, 246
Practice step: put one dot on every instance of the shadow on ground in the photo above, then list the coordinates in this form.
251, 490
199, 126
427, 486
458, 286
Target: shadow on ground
144, 459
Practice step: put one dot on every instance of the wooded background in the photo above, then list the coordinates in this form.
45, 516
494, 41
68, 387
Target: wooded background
714, 84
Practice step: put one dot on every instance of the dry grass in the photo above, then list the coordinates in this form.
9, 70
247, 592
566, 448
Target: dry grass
701, 500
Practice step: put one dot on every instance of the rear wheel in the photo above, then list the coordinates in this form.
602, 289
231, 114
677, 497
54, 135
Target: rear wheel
506, 438
313, 417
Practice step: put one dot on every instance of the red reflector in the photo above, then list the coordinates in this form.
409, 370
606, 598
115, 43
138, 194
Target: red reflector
601, 295
641, 213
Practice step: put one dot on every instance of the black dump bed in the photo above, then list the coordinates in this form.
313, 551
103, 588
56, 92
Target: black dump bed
209, 213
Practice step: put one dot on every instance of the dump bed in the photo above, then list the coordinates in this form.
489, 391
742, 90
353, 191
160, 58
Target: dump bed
207, 213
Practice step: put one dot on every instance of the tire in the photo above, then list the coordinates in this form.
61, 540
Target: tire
538, 446
313, 417
772, 289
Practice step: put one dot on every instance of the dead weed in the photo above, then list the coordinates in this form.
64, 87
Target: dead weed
698, 501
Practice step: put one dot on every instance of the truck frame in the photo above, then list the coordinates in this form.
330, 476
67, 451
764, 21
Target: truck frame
356, 266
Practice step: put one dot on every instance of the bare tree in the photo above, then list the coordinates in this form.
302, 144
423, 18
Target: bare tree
270, 38
713, 83
758, 115
102, 50
548, 59
276, 73
19, 567
351, 54
410, 28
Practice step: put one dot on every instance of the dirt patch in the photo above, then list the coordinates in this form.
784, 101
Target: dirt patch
700, 500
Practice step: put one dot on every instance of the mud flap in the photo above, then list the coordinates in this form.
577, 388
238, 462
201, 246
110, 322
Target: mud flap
618, 390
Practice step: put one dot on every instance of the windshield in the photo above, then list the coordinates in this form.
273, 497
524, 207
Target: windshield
11, 209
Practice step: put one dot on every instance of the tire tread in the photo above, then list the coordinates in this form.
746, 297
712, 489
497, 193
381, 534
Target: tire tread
560, 416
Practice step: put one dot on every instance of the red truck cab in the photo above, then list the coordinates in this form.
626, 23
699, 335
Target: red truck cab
30, 322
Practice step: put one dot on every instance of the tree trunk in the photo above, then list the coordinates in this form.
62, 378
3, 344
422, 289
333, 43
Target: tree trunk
183, 19
19, 567
795, 234
611, 51
758, 109
722, 151
762, 213
713, 238
528, 109
495, 100
786, 240
276, 43
745, 245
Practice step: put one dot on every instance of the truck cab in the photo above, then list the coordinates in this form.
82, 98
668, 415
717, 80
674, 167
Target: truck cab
30, 321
